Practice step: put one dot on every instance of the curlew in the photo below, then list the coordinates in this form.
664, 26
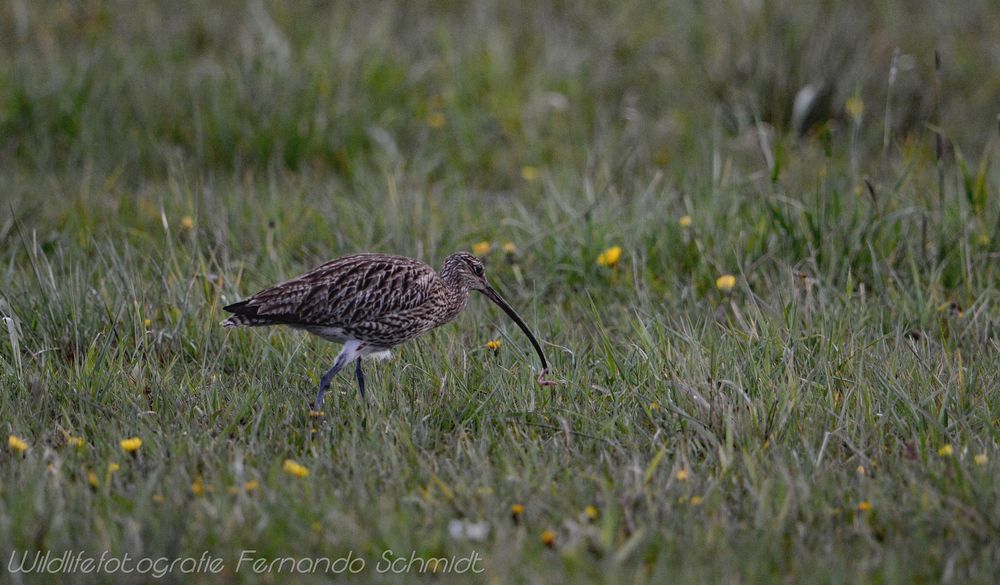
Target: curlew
371, 303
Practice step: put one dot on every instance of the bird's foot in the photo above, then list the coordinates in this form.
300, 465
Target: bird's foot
543, 382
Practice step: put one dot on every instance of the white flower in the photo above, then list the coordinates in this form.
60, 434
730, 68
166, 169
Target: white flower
463, 530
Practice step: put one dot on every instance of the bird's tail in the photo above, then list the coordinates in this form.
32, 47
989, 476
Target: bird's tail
245, 321
245, 316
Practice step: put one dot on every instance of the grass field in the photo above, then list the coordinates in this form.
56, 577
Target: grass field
832, 418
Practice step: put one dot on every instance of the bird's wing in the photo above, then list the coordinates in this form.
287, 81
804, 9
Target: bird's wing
345, 291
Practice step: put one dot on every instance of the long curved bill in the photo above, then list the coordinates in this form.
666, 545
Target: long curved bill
496, 298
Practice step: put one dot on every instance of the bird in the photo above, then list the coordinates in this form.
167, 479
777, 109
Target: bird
371, 303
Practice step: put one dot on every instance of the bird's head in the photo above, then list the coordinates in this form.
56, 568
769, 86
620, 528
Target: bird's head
464, 271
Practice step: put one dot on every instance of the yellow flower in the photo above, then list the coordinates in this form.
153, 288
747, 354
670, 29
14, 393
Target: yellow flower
855, 107
92, 478
436, 120
481, 248
187, 223
610, 257
159, 499
725, 283
516, 510
861, 470
591, 512
493, 344
316, 414
131, 445
549, 538
529, 173
113, 467
864, 506
946, 450
292, 468
17, 444
147, 323
685, 221
682, 474
662, 157
654, 406
982, 459
197, 487
984, 239
251, 485
509, 248
696, 500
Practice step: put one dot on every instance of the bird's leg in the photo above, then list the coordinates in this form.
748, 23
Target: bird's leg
324, 382
361, 379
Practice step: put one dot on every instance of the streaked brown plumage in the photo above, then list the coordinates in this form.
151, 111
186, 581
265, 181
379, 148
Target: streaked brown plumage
372, 303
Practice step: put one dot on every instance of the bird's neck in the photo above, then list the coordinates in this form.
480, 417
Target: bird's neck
457, 295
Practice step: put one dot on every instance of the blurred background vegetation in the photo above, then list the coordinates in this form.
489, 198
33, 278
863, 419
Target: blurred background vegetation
137, 88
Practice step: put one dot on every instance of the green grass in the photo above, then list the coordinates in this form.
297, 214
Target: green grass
860, 339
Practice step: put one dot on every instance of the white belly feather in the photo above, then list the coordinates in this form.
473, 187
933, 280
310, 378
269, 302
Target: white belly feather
338, 335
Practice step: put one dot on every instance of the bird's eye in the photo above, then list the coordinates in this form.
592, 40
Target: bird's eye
477, 269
